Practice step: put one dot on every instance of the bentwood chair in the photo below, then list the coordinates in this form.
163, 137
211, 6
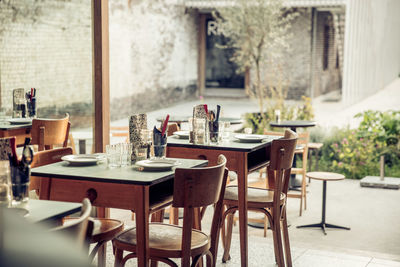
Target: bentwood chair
271, 202
302, 149
81, 228
104, 230
193, 188
49, 132
46, 157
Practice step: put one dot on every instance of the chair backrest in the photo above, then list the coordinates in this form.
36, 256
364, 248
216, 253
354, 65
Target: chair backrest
200, 187
50, 156
273, 133
282, 153
172, 127
46, 157
302, 142
80, 229
49, 132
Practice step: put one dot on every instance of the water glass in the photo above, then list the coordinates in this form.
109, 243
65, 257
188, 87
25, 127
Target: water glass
199, 131
126, 154
31, 108
20, 184
113, 153
5, 184
226, 132
216, 130
160, 150
141, 153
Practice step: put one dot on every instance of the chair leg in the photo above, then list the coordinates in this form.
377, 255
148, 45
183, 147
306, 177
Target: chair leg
228, 238
305, 191
265, 225
276, 252
278, 238
301, 201
118, 257
288, 254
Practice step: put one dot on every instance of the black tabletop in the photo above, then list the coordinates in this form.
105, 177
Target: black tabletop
293, 124
231, 145
5, 125
102, 173
44, 210
180, 119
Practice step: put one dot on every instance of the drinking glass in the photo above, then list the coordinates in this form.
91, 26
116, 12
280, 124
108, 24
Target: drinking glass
19, 184
141, 153
5, 184
146, 140
126, 154
199, 131
216, 130
226, 133
113, 153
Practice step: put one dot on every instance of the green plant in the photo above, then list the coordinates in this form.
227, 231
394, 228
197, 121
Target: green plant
356, 152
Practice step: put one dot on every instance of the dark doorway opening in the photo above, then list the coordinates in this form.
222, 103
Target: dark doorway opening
220, 71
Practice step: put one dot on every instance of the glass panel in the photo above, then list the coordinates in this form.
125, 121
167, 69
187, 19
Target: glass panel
47, 45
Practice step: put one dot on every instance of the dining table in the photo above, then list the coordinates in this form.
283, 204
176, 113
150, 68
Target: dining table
44, 211
242, 157
20, 131
179, 119
129, 188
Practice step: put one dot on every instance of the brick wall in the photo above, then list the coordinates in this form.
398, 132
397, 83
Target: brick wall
46, 45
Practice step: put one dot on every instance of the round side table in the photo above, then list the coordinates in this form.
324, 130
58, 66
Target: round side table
324, 176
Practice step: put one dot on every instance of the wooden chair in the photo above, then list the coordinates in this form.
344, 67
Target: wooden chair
272, 202
80, 229
49, 132
302, 149
193, 188
104, 230
172, 127
43, 158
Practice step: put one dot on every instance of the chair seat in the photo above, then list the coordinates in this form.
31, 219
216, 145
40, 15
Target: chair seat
103, 229
166, 240
256, 195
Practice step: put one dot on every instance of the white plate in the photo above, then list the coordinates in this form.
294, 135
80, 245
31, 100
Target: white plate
250, 138
182, 134
157, 164
81, 160
20, 120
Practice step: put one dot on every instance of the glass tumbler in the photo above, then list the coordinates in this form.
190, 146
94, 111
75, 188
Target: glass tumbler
126, 153
226, 132
199, 131
113, 153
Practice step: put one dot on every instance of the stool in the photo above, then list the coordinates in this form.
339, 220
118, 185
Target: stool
324, 176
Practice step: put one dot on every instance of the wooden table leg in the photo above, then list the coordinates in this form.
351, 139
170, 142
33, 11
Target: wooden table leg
102, 212
142, 226
242, 188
